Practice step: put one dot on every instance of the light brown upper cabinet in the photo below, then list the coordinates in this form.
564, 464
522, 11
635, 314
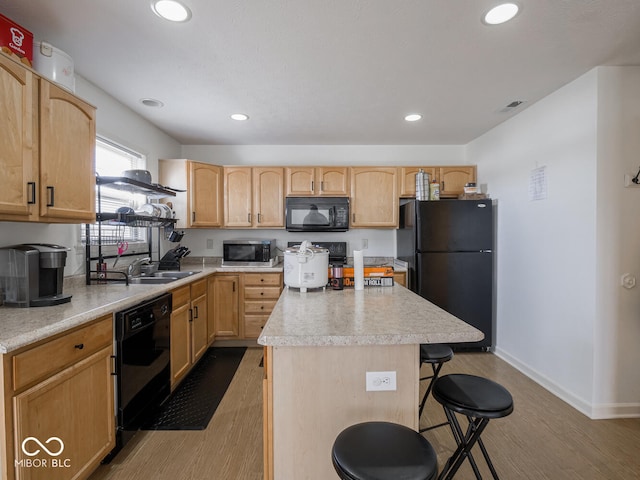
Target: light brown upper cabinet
407, 179
317, 181
374, 197
253, 197
201, 205
453, 179
48, 150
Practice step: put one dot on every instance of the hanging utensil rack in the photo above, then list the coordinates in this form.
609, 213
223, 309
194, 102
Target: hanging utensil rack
125, 219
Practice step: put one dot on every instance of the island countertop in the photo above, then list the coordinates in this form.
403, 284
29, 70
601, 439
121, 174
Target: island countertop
373, 316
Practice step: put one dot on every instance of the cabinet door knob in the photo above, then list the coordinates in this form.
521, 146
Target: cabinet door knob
261, 293
79, 346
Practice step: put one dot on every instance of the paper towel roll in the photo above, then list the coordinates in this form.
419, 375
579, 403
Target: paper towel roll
358, 270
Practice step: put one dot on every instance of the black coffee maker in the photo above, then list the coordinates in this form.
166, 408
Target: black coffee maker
32, 275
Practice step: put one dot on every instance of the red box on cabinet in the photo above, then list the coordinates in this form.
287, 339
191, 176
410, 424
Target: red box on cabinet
16, 41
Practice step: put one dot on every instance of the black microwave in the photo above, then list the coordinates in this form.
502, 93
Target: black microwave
249, 253
317, 214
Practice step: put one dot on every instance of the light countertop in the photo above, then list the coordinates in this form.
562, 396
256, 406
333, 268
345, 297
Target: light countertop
373, 316
22, 326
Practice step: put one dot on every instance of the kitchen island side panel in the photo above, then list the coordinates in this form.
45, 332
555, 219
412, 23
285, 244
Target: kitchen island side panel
320, 390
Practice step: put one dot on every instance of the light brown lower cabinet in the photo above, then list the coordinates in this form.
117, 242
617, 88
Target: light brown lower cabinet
189, 323
260, 293
224, 292
400, 278
58, 405
240, 303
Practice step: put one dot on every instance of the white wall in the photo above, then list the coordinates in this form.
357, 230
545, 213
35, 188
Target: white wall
617, 331
118, 123
327, 154
559, 259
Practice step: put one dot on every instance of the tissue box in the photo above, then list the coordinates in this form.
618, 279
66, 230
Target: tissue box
16, 41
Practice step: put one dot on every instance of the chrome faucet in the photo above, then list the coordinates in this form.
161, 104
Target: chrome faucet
134, 268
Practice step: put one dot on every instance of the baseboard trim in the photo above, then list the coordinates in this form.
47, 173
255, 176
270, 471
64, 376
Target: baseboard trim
602, 411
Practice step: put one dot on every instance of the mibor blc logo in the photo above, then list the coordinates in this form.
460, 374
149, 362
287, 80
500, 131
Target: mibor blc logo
53, 446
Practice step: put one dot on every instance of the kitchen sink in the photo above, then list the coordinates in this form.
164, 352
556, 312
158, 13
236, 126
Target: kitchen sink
174, 274
152, 280
164, 276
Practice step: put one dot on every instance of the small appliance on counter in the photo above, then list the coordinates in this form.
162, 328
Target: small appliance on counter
171, 259
32, 275
249, 253
306, 267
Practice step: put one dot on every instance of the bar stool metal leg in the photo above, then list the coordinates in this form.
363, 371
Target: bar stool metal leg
479, 400
435, 355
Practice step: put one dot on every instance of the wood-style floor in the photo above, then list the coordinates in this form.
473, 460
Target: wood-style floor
544, 438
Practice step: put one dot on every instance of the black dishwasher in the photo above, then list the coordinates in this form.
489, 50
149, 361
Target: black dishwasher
143, 375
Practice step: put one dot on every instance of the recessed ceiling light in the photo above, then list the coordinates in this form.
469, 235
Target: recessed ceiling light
241, 117
414, 117
171, 10
501, 13
151, 102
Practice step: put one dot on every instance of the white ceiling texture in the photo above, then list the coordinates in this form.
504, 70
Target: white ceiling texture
333, 72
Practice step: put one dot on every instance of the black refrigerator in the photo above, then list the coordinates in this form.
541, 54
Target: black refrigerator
448, 245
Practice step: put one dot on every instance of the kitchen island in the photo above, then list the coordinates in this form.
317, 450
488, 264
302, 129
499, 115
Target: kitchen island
319, 346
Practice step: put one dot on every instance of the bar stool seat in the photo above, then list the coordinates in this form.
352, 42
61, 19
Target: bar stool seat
383, 451
480, 400
436, 355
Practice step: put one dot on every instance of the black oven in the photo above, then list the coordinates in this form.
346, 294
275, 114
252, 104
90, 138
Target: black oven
317, 214
143, 375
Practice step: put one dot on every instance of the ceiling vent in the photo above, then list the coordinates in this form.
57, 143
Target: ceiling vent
512, 106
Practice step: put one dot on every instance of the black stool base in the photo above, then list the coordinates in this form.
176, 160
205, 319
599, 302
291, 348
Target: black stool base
480, 400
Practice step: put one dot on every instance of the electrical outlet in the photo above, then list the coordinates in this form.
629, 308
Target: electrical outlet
365, 243
209, 243
380, 381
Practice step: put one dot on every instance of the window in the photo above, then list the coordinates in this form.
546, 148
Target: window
111, 160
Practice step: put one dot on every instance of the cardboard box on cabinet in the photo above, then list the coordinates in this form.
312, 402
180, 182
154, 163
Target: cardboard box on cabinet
16, 41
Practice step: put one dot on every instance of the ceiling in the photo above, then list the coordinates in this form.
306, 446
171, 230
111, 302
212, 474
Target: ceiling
333, 72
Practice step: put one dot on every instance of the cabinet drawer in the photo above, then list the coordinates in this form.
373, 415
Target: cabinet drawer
265, 306
198, 288
257, 293
262, 279
48, 358
181, 296
253, 325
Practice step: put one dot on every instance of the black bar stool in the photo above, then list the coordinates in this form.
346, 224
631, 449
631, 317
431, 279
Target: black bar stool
480, 400
383, 451
436, 355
